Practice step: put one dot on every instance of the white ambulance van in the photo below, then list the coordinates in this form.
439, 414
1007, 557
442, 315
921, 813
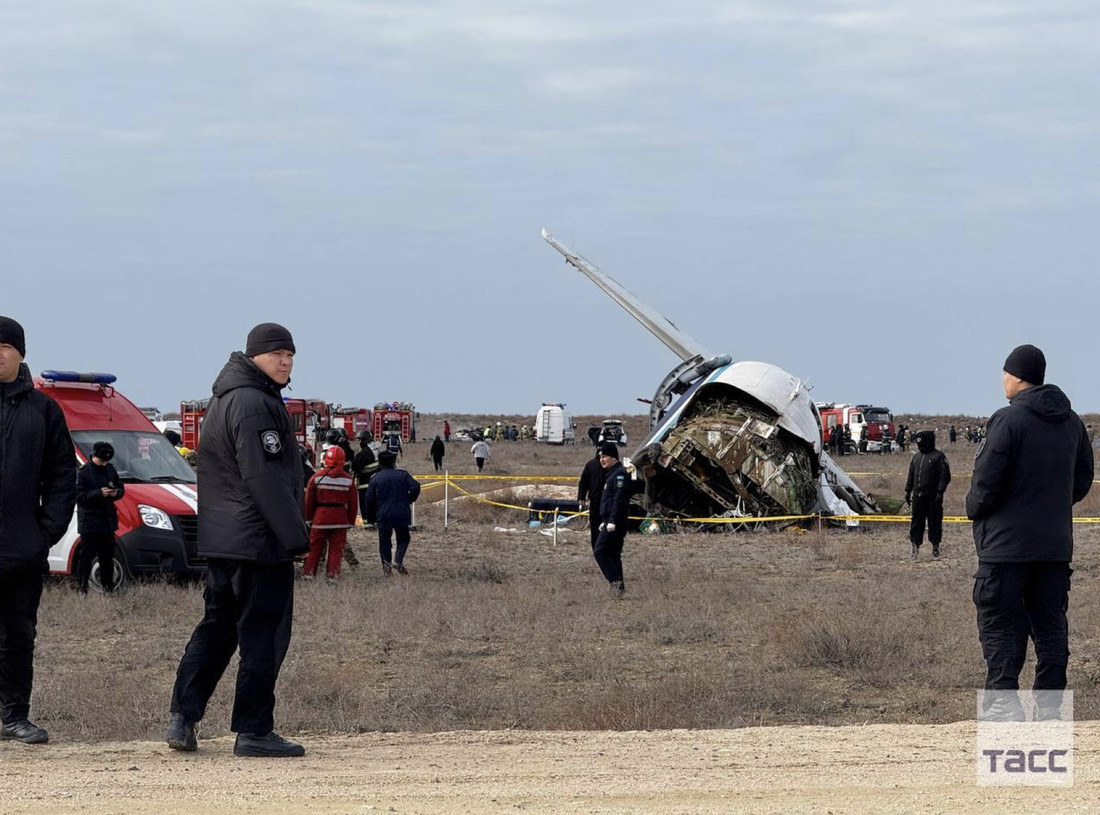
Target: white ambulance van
157, 521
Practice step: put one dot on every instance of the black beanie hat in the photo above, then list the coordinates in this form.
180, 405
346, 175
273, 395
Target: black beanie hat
268, 337
103, 450
1028, 363
609, 448
12, 333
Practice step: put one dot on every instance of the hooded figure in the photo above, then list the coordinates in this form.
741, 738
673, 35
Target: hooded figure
438, 450
929, 475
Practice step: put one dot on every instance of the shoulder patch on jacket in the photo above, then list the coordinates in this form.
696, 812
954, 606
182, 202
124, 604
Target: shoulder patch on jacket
272, 443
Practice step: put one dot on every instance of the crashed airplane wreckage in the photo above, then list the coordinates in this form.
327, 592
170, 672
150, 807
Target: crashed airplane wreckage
729, 439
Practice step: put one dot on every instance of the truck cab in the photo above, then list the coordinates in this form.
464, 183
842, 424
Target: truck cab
157, 517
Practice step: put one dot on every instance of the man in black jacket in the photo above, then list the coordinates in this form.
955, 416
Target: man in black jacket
590, 493
37, 494
251, 526
1033, 465
929, 475
390, 495
98, 487
614, 510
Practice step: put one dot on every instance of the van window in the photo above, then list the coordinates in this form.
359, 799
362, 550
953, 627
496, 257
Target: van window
140, 456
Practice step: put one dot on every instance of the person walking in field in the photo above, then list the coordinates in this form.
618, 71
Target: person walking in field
37, 495
389, 497
481, 453
250, 530
438, 450
331, 507
929, 475
1034, 464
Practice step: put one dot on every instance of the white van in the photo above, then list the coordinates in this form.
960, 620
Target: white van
554, 424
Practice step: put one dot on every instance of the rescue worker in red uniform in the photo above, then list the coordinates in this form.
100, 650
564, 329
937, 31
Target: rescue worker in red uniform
331, 506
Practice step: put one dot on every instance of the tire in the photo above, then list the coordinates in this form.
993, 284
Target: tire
122, 573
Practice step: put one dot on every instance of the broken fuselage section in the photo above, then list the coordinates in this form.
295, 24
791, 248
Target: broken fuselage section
729, 439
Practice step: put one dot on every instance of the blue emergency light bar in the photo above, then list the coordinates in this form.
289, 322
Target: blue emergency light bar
73, 376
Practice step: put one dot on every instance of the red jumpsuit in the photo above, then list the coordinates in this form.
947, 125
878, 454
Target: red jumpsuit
331, 506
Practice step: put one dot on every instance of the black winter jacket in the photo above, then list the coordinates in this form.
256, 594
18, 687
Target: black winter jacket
590, 486
438, 449
96, 514
929, 474
37, 475
250, 471
615, 501
389, 496
1033, 466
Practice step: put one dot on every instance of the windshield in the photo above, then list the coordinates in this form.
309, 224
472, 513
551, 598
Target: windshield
139, 455
878, 416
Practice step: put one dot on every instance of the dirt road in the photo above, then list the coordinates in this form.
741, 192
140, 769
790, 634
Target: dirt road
895, 768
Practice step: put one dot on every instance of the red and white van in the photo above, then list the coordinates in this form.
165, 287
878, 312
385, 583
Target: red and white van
157, 522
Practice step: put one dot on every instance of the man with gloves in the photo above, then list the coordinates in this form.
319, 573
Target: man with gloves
614, 510
929, 475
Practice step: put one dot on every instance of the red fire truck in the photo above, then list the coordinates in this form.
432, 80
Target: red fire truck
352, 419
873, 425
395, 417
191, 416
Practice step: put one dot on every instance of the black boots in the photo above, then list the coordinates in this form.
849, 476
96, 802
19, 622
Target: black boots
24, 731
269, 745
181, 734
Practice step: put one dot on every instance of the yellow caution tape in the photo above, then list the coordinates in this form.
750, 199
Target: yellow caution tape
948, 519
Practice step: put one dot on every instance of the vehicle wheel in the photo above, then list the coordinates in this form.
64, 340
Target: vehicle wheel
122, 573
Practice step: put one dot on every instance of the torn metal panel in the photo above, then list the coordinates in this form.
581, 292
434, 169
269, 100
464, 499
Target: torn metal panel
728, 458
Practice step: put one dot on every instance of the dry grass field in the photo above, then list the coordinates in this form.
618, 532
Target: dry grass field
505, 629
500, 675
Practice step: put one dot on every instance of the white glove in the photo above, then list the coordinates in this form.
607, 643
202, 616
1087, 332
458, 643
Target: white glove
602, 526
610, 527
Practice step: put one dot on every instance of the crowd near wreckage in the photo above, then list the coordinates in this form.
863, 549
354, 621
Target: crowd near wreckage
729, 439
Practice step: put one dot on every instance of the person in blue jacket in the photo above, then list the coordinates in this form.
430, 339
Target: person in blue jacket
390, 495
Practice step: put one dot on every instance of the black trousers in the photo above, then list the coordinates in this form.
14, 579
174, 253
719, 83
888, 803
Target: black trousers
385, 545
20, 593
594, 520
438, 462
248, 605
926, 508
609, 554
1013, 601
95, 545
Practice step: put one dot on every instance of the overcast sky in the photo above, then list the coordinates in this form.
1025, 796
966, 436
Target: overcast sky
881, 197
